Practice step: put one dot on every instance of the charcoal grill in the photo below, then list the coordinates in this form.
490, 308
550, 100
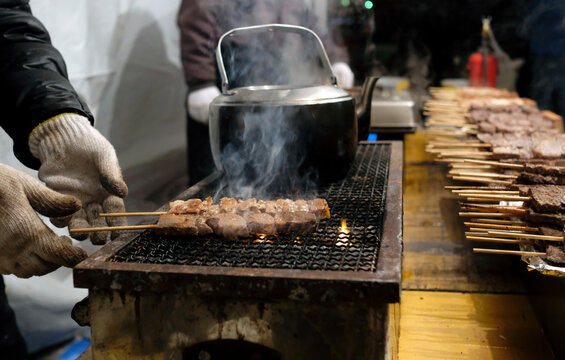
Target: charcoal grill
321, 295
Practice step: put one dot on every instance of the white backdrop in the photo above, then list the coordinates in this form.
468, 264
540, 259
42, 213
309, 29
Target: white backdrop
123, 57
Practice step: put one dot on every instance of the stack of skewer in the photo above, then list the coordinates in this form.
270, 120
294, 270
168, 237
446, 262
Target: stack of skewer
493, 208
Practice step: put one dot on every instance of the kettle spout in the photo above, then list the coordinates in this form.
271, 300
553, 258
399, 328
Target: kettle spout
363, 109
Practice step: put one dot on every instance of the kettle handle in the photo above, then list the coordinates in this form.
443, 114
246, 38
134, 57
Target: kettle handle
271, 27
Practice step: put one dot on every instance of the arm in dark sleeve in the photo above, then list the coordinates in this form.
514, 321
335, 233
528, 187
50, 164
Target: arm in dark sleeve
199, 36
34, 85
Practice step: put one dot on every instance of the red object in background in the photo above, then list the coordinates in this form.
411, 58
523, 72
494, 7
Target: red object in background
475, 67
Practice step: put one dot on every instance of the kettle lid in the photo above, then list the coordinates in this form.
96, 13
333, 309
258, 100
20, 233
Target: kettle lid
276, 95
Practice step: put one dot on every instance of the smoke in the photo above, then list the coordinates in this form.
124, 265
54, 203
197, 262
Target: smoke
266, 160
267, 152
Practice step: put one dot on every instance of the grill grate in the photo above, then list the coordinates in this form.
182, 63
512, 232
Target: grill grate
359, 198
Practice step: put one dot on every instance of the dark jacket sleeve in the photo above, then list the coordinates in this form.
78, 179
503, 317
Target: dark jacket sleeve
34, 85
198, 36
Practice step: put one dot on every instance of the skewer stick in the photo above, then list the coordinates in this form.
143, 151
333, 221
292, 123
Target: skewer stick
471, 192
496, 215
511, 210
496, 163
501, 227
476, 172
112, 228
482, 179
523, 235
496, 240
484, 174
484, 199
500, 222
460, 166
502, 197
475, 233
491, 206
466, 154
449, 160
484, 230
472, 187
509, 252
139, 213
454, 141
458, 145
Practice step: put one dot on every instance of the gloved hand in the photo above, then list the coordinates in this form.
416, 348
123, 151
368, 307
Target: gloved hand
199, 102
27, 246
77, 160
344, 75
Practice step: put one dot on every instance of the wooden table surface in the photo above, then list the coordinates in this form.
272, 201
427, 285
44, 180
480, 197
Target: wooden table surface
456, 304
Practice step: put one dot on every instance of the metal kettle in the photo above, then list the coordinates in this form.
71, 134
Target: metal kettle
323, 118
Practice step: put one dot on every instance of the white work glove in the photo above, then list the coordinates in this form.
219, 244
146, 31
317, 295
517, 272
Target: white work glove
77, 160
198, 103
27, 246
344, 75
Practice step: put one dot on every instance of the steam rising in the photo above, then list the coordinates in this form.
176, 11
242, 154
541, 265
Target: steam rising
266, 159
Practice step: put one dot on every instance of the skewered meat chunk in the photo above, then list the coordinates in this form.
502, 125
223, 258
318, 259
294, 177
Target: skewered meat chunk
550, 230
545, 169
228, 205
284, 205
191, 206
228, 225
301, 205
511, 152
271, 208
295, 222
549, 148
555, 254
248, 206
545, 218
191, 225
261, 223
531, 178
547, 198
320, 208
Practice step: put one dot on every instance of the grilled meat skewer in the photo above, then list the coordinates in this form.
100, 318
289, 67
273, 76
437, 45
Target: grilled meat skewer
234, 218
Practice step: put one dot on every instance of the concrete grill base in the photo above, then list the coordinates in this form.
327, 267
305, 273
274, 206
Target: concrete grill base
177, 326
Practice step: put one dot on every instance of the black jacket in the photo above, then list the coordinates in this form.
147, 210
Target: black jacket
34, 85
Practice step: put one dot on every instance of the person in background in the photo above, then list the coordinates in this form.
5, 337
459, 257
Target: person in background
52, 131
201, 24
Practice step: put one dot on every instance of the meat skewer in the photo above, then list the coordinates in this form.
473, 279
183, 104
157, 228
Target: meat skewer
232, 218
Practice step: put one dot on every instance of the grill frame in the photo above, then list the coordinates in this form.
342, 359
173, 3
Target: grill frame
99, 273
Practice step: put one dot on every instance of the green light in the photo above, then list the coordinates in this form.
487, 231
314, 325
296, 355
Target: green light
368, 5
345, 2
